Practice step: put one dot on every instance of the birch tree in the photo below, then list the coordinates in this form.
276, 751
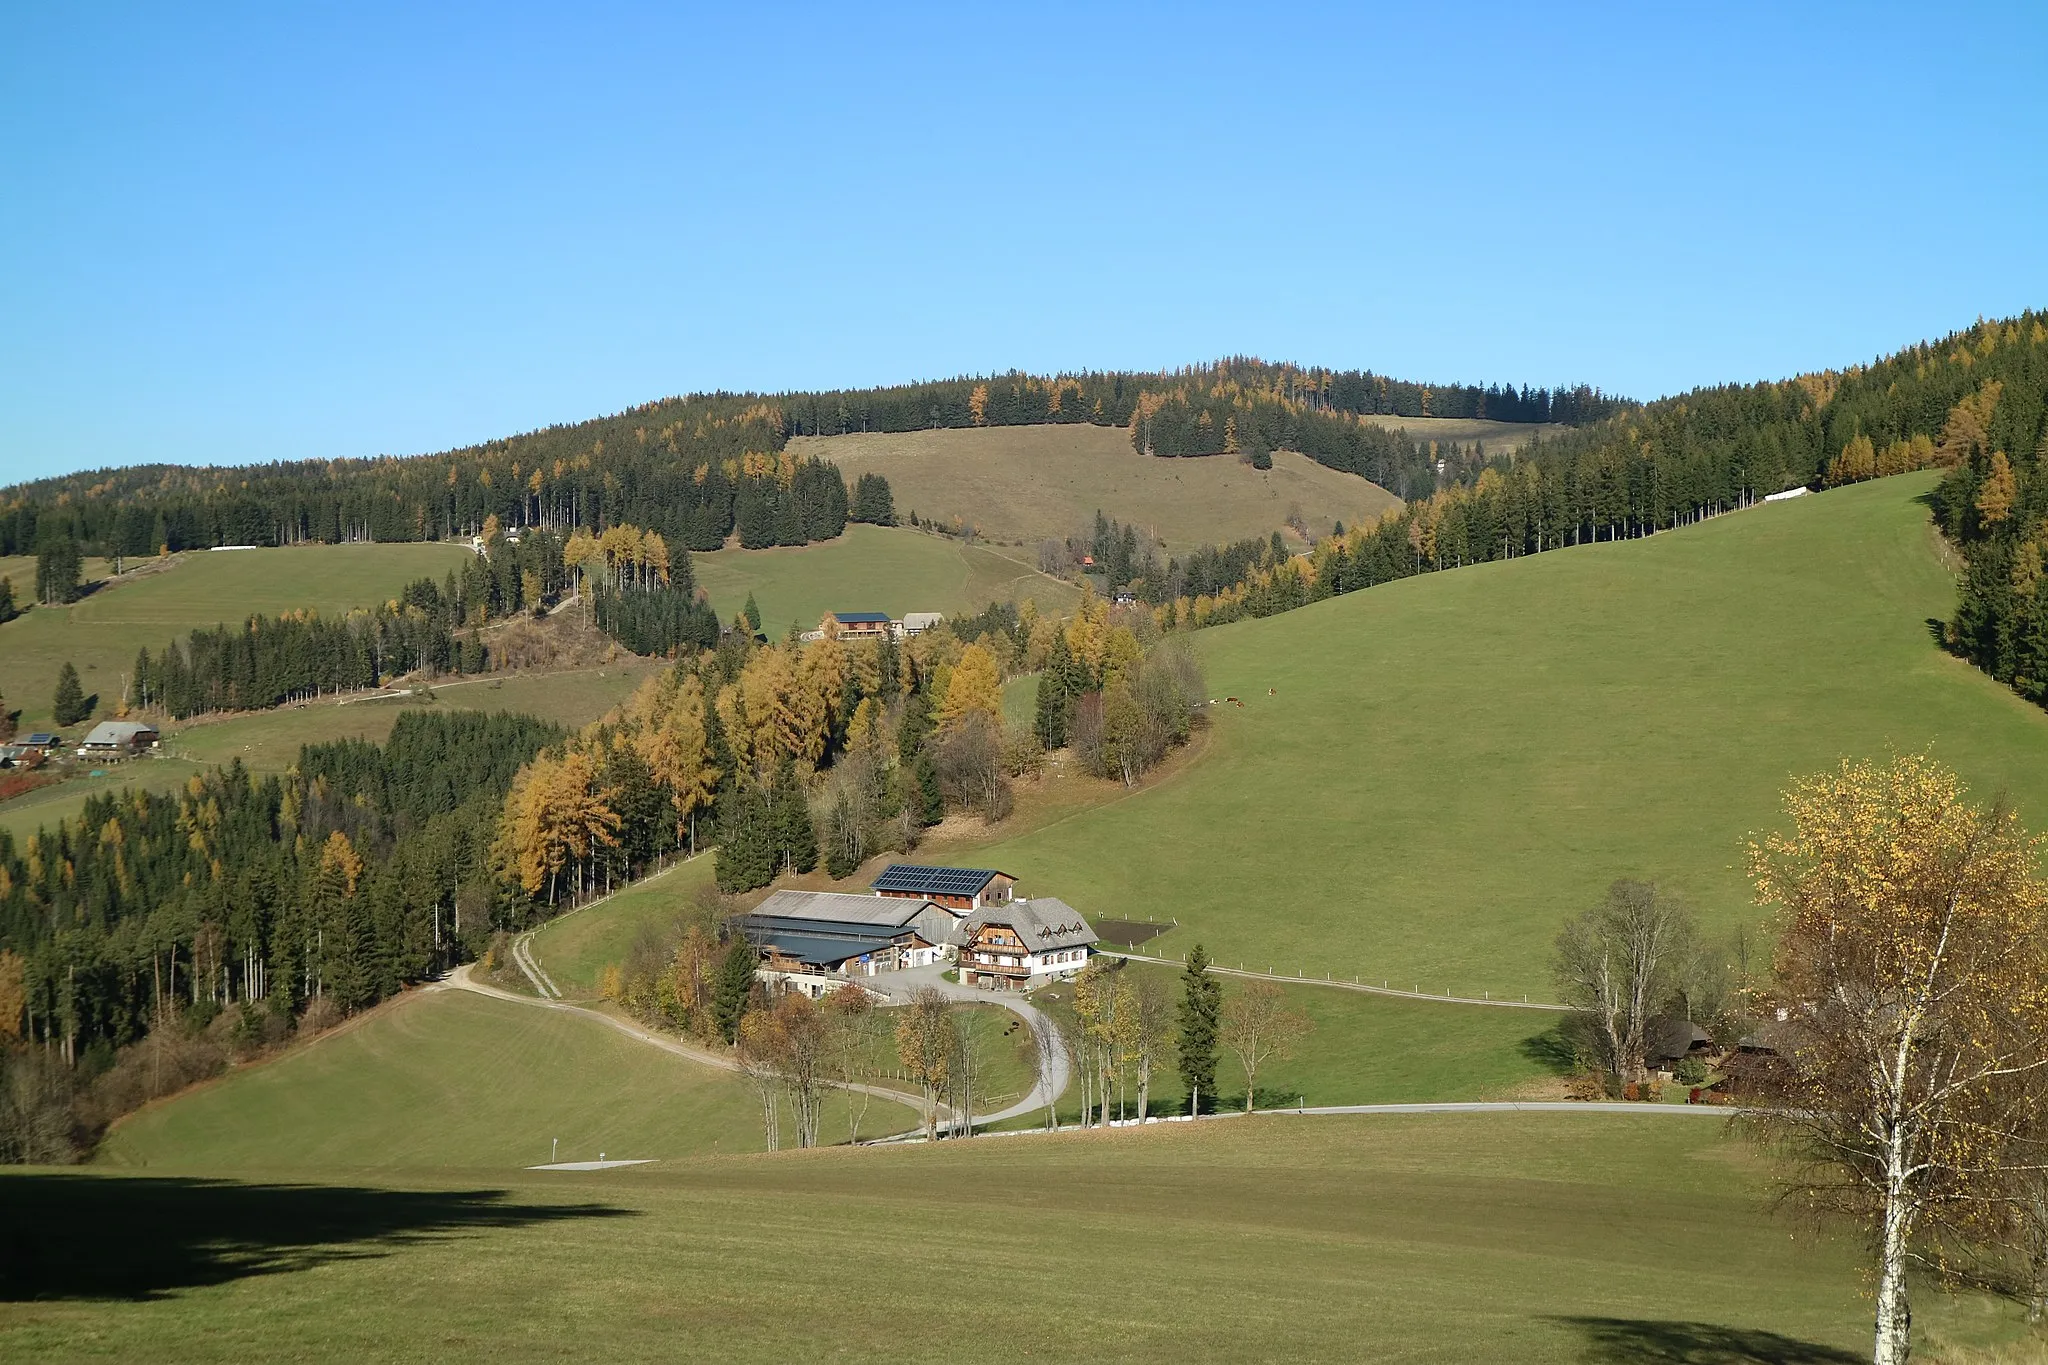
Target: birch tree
1153, 1021
853, 1037
1257, 1027
1911, 984
1614, 968
924, 1044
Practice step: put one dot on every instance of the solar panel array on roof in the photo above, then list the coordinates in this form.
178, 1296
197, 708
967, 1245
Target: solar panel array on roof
920, 880
846, 618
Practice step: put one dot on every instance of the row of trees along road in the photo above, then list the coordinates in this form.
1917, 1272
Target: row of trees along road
1128, 1027
1903, 1076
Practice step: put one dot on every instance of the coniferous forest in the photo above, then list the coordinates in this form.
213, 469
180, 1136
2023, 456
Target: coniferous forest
698, 468
365, 868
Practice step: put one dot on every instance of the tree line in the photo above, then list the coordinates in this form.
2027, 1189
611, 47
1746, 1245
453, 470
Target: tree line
697, 468
267, 661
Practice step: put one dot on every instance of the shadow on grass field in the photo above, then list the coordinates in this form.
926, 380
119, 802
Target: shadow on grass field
182, 1233
1643, 1341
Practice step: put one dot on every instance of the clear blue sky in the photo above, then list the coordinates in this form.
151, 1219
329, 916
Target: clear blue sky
280, 231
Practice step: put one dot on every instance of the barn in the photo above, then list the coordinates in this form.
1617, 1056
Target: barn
960, 889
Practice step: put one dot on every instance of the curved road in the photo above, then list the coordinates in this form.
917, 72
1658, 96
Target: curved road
899, 986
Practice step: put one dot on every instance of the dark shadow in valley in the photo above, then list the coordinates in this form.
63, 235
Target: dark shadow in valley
1613, 1341
99, 1237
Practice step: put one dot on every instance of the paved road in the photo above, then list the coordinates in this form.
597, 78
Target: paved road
1335, 984
1514, 1107
899, 986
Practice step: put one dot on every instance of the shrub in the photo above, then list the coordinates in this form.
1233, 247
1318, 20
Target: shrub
1690, 1071
321, 1015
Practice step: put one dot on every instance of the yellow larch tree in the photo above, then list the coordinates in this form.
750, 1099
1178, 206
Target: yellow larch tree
976, 685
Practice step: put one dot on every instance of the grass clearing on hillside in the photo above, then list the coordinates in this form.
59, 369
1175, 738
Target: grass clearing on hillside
150, 607
871, 568
1500, 437
1021, 485
453, 1079
576, 947
1364, 1049
1448, 767
1526, 1237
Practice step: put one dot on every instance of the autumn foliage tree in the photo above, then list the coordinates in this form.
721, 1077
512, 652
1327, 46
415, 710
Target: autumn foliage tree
1258, 1026
1911, 980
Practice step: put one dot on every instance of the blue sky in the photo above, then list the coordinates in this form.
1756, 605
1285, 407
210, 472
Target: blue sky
279, 231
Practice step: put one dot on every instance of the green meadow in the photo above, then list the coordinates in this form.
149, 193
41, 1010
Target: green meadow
451, 1079
1525, 1237
154, 603
872, 568
1426, 778
1365, 1049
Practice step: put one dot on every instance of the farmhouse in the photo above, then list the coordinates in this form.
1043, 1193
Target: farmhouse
42, 741
957, 888
854, 625
117, 739
916, 622
1017, 945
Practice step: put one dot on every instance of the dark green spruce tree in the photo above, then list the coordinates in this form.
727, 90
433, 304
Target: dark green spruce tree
70, 705
796, 838
1201, 1012
733, 987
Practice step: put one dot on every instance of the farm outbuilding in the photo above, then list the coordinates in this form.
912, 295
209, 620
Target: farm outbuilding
854, 625
956, 888
117, 738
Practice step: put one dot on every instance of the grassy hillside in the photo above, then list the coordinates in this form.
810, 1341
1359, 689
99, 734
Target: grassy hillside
453, 1079
871, 568
1021, 485
1428, 777
152, 605
576, 947
1534, 1238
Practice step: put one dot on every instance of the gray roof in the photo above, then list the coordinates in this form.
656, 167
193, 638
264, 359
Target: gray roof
1044, 923
118, 732
838, 907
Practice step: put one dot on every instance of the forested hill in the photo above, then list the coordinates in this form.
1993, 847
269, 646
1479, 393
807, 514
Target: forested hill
685, 465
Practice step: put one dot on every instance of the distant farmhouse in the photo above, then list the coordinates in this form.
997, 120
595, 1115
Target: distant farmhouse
818, 941
872, 625
854, 625
118, 739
